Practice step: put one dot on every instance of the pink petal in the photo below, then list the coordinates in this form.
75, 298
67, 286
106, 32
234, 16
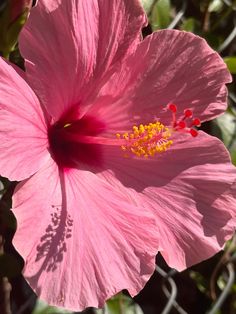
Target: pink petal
88, 243
23, 132
191, 190
86, 38
169, 66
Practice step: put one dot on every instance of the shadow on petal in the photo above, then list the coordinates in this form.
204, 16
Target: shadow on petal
216, 209
53, 243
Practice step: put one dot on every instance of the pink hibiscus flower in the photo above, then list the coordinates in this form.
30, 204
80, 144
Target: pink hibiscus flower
101, 129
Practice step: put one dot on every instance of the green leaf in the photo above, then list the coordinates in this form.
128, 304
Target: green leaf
231, 64
160, 16
189, 25
43, 308
120, 304
227, 125
147, 5
233, 156
201, 282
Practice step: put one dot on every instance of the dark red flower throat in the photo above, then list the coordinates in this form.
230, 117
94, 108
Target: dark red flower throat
66, 146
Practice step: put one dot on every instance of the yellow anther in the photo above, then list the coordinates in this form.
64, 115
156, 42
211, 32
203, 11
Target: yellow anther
126, 136
142, 130
146, 140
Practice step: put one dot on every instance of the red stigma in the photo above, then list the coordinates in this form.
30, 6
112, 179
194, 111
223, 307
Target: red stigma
196, 122
182, 125
172, 107
186, 123
188, 113
193, 132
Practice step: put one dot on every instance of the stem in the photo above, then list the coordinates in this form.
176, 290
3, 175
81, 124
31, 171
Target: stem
5, 305
206, 20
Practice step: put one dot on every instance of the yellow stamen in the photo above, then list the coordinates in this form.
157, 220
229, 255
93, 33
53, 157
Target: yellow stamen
146, 140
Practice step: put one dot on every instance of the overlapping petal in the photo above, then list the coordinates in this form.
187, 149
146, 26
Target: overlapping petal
85, 241
169, 66
86, 38
191, 189
23, 132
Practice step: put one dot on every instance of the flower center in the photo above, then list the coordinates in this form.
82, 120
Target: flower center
67, 144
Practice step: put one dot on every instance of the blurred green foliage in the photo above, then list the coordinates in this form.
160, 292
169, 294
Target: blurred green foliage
42, 308
231, 64
120, 304
160, 14
11, 25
